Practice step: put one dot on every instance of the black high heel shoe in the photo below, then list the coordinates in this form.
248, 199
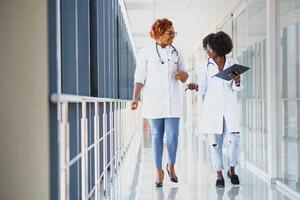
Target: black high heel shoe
160, 184
172, 179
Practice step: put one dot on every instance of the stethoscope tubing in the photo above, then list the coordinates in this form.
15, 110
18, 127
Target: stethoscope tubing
159, 57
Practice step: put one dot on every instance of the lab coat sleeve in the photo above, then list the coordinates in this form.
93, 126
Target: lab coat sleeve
181, 63
236, 88
233, 86
141, 68
182, 67
202, 78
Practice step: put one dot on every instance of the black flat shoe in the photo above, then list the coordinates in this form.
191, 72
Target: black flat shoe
160, 184
233, 178
175, 179
220, 183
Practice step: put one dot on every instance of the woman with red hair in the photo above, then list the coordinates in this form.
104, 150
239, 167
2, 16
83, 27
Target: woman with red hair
159, 71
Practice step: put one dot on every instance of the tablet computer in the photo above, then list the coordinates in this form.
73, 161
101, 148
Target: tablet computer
234, 68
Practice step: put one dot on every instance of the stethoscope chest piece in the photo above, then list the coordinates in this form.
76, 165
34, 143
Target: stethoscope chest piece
161, 61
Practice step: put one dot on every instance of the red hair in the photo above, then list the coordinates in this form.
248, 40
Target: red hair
159, 27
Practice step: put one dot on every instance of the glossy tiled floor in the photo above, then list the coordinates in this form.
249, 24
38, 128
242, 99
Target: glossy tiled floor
196, 179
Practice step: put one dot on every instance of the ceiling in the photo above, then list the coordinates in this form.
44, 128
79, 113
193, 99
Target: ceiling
192, 19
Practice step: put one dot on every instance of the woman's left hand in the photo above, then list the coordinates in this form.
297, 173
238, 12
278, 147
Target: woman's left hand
181, 75
236, 77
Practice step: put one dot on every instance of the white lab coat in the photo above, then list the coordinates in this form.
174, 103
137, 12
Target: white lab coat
220, 99
162, 96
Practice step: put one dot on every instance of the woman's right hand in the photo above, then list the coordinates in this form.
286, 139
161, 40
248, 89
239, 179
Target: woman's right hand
134, 104
181, 75
192, 86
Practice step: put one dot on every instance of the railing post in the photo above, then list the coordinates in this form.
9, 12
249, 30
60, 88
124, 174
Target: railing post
64, 152
110, 140
119, 134
96, 149
115, 135
115, 145
104, 147
119, 192
84, 166
123, 132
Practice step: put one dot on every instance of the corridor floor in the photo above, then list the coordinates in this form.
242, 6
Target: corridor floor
196, 178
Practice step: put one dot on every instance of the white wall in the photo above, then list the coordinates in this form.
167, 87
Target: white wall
24, 142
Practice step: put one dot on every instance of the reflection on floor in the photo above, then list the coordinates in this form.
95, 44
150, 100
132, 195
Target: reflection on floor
136, 176
196, 179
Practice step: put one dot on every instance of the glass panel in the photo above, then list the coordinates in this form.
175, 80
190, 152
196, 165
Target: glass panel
249, 36
289, 92
227, 28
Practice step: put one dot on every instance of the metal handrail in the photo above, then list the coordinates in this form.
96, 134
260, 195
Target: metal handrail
55, 98
290, 99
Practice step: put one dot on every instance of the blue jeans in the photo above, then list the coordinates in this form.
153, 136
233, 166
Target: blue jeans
233, 145
158, 128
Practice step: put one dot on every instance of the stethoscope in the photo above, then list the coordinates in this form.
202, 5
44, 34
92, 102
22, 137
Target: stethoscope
174, 51
209, 63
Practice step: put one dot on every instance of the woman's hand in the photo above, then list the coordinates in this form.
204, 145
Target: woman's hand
136, 93
236, 77
134, 104
192, 86
181, 75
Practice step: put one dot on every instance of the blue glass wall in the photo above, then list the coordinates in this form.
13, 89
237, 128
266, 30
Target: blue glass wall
97, 60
